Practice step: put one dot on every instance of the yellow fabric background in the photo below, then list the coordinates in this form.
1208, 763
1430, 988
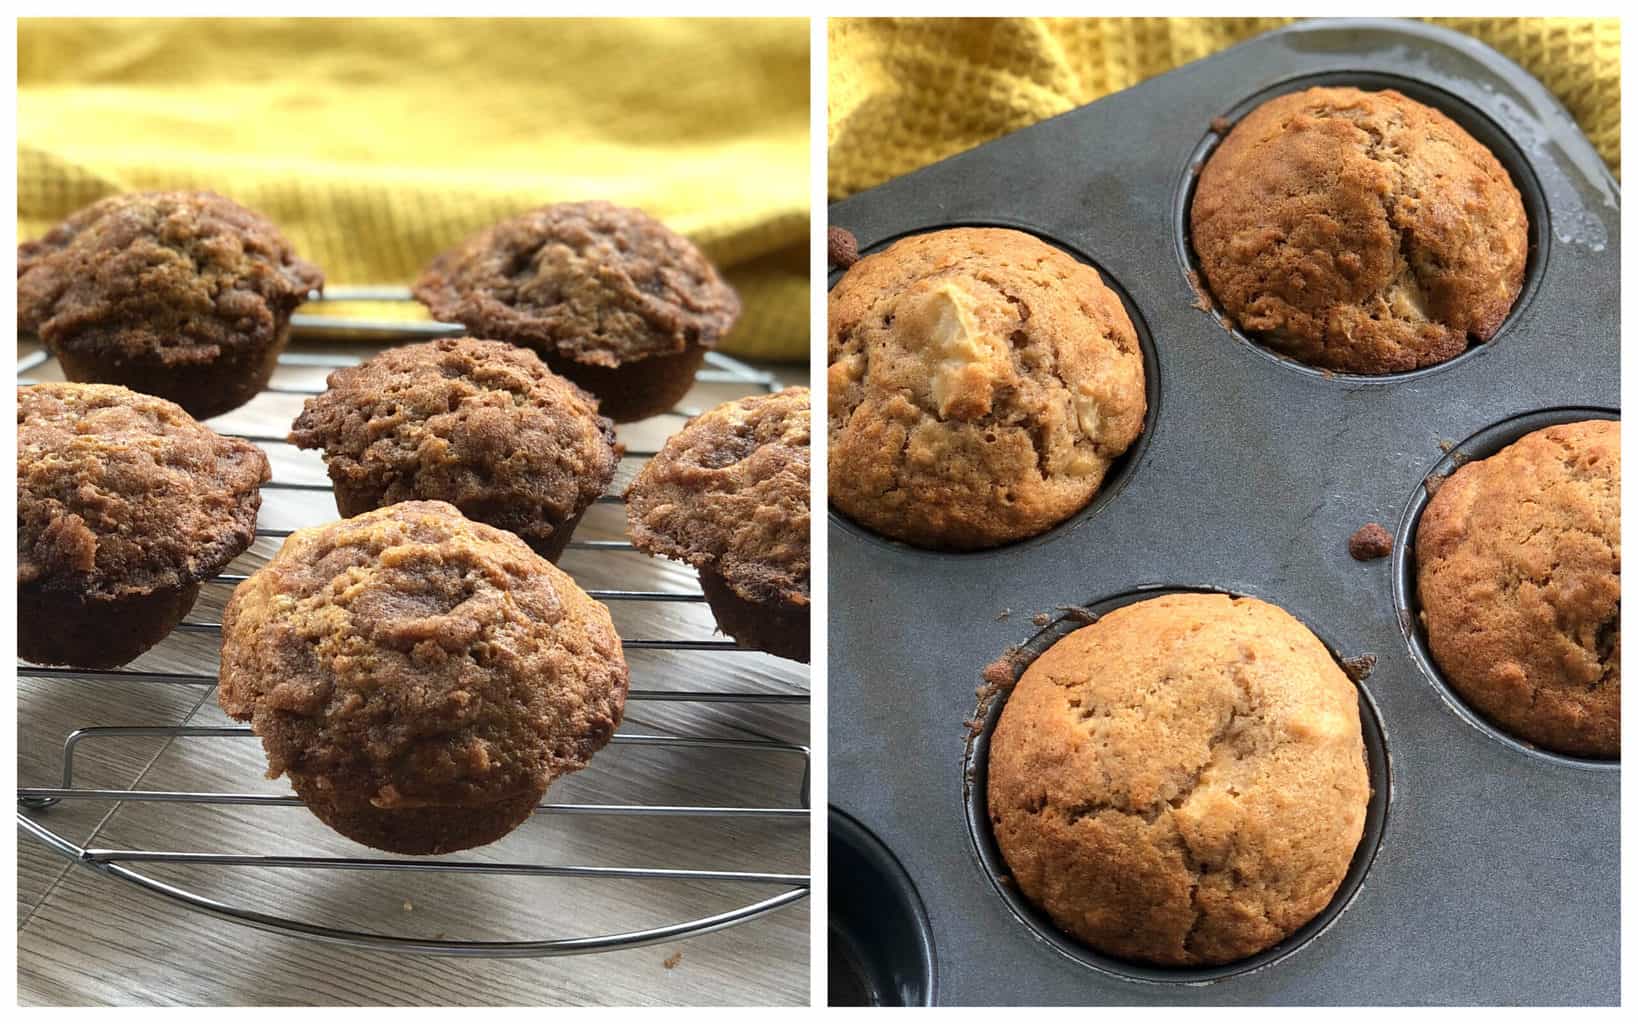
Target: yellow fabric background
905, 93
375, 143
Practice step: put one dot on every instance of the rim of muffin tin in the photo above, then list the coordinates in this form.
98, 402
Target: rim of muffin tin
975, 799
1475, 122
1480, 445
1121, 469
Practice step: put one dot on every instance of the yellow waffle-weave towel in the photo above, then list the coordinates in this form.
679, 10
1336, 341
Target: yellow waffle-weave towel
375, 143
905, 93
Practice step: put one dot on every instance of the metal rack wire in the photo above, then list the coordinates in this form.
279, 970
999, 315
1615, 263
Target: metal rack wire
36, 801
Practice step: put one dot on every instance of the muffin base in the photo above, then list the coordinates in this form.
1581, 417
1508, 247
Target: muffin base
778, 628
80, 632
634, 391
416, 831
351, 502
203, 389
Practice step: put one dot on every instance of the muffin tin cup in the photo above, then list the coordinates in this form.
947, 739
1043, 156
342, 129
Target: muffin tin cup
881, 950
1481, 445
994, 864
1251, 476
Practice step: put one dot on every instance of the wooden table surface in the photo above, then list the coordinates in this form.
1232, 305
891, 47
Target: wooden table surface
84, 938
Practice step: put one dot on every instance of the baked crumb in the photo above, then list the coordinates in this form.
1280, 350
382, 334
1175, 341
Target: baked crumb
1084, 616
1370, 541
1202, 301
842, 248
1359, 668
670, 963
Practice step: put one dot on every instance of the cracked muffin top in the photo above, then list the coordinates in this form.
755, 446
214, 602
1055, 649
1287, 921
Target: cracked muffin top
593, 282
120, 494
1518, 562
1183, 782
981, 384
482, 425
729, 493
178, 277
420, 658
1359, 231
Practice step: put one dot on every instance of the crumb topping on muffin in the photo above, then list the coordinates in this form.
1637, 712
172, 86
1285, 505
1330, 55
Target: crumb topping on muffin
120, 493
591, 281
177, 277
482, 425
414, 658
730, 493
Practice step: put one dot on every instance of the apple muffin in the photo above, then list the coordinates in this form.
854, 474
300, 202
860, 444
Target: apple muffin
184, 295
125, 504
1359, 231
1182, 782
482, 425
420, 678
1518, 570
728, 494
611, 298
981, 383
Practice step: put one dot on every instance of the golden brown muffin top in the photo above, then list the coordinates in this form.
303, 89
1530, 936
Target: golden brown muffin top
482, 425
120, 493
981, 383
729, 492
594, 282
1518, 561
1359, 231
1182, 782
179, 276
421, 657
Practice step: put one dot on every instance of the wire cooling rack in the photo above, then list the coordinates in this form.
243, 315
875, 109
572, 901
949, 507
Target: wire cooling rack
691, 664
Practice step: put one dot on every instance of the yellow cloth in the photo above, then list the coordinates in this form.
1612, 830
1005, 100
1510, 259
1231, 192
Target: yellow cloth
905, 93
374, 144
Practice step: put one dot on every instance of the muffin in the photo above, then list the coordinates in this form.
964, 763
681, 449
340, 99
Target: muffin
125, 504
611, 298
728, 494
480, 424
981, 384
420, 678
184, 295
1359, 231
1518, 570
1183, 782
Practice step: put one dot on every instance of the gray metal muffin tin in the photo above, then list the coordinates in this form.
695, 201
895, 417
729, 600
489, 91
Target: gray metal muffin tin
1494, 873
